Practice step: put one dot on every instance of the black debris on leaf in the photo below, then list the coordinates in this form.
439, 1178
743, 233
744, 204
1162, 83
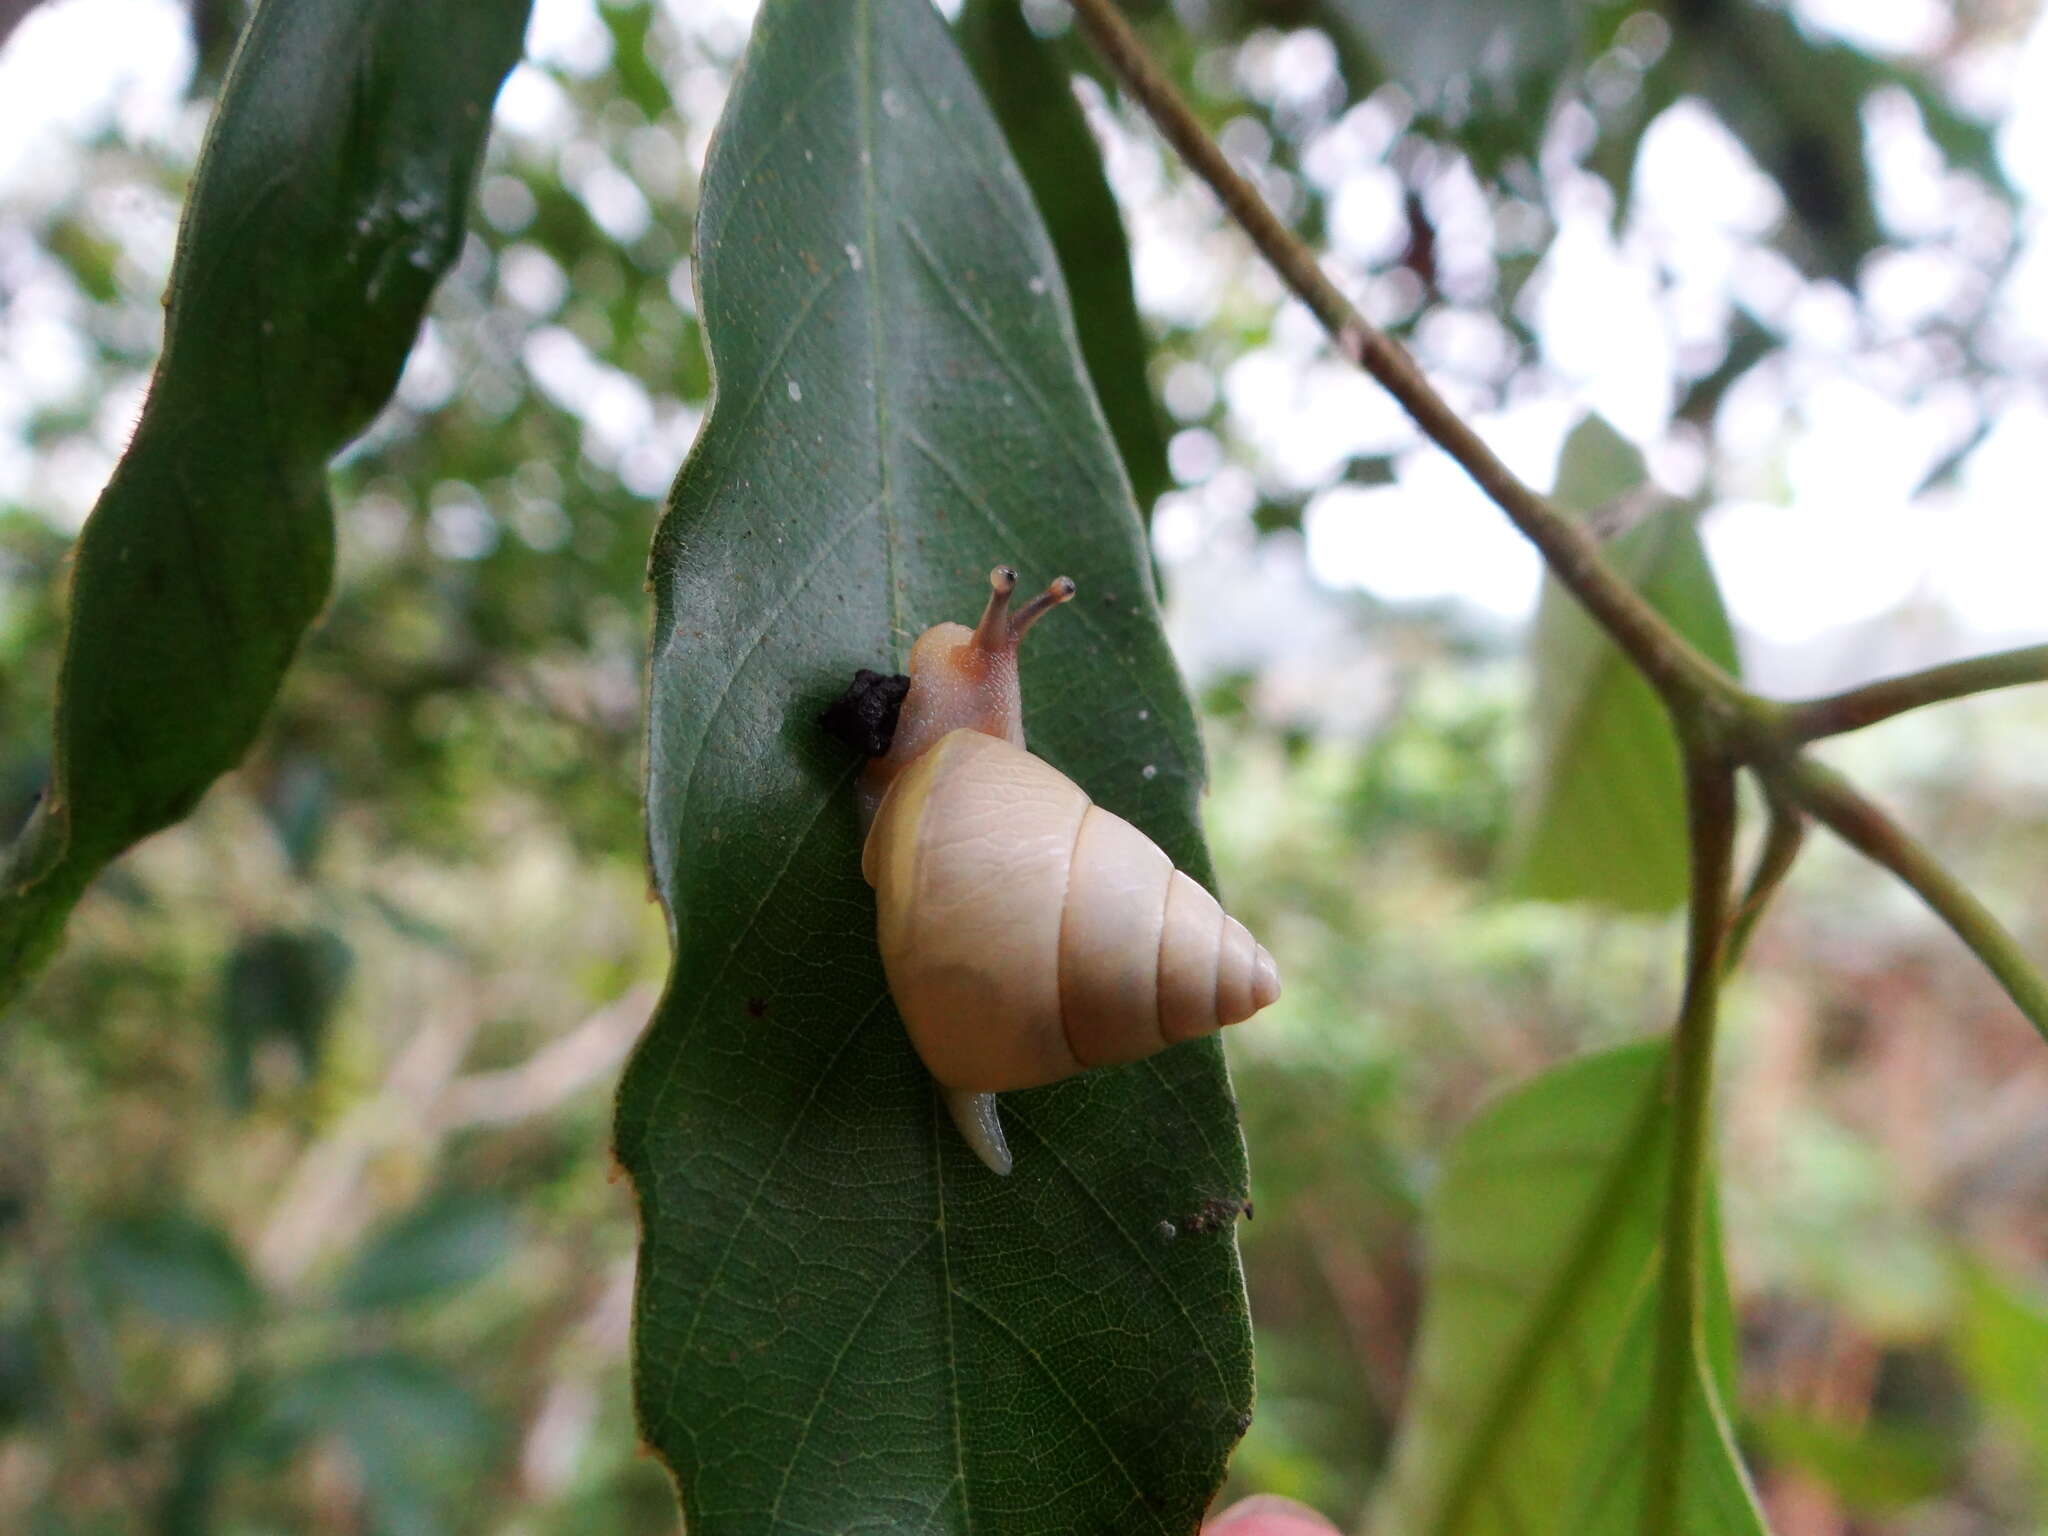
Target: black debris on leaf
864, 717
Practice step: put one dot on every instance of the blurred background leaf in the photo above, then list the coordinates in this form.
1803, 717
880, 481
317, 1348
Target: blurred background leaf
1532, 1369
179, 1269
1603, 818
442, 1244
416, 1434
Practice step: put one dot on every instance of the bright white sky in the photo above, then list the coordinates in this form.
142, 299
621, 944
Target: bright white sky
1820, 534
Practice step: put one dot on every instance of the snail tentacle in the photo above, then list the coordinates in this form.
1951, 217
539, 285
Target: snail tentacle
1060, 589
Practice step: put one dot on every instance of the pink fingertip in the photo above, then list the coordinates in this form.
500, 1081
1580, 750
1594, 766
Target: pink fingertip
1268, 1514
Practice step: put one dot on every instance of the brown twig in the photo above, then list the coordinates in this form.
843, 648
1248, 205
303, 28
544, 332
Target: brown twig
1850, 711
1686, 678
1783, 838
1866, 828
1710, 814
1706, 705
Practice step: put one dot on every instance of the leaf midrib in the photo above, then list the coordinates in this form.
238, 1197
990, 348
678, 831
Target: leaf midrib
868, 91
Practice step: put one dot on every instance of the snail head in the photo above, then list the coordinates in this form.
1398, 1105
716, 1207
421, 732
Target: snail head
966, 679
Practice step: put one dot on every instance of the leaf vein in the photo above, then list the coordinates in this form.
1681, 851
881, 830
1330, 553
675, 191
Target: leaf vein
825, 1386
767, 1172
1137, 1247
1080, 1414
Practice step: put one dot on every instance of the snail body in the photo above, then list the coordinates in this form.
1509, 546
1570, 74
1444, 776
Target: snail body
1028, 934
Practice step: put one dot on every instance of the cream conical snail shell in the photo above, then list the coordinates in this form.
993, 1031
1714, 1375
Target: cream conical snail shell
1027, 933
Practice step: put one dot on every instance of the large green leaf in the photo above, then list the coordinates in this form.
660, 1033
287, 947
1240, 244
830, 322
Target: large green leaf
1533, 1364
1603, 817
845, 1322
1033, 100
328, 201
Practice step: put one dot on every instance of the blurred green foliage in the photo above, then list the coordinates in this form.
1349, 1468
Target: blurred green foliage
304, 1222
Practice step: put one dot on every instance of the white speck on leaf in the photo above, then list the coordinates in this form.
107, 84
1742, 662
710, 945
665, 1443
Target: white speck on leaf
795, 390
1149, 771
853, 255
1144, 714
892, 104
1036, 285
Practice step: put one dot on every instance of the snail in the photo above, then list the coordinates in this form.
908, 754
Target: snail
1027, 934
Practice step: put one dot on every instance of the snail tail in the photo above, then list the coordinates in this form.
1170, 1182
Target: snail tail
980, 1125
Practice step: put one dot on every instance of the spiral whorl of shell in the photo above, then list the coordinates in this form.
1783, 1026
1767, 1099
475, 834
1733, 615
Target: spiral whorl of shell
1028, 934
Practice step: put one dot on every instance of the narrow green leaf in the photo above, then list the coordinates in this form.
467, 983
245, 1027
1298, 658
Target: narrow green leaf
1033, 99
844, 1321
204, 1458
327, 203
1603, 818
1542, 1241
25, 1388
180, 1270
445, 1242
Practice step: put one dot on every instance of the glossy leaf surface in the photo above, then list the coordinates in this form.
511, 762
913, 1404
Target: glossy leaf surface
327, 203
844, 1321
1540, 1283
1603, 819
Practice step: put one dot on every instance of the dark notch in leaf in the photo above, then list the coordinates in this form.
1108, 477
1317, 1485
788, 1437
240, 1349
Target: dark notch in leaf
1602, 818
279, 988
1027, 86
328, 201
845, 1322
